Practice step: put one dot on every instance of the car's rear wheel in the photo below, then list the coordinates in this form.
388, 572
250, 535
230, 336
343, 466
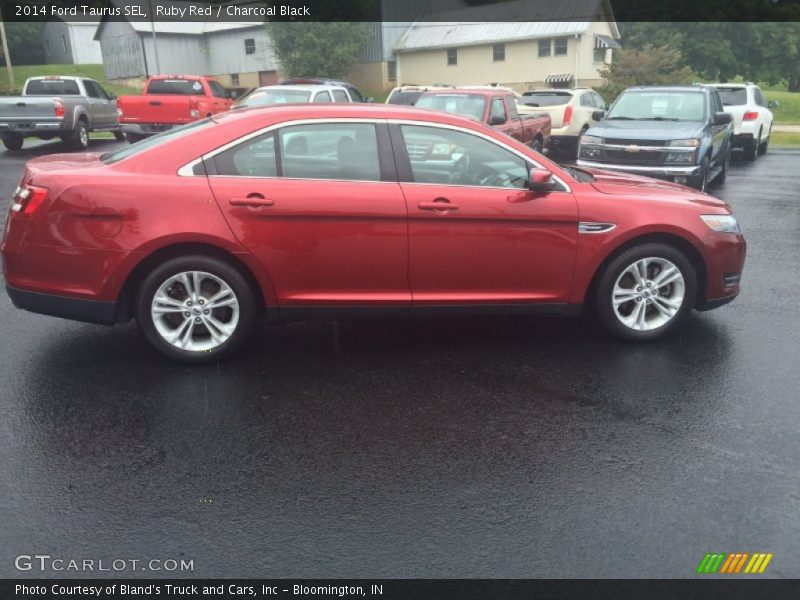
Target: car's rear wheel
195, 309
645, 291
751, 148
80, 136
764, 146
13, 141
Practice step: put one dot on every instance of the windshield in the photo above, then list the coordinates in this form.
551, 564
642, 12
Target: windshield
178, 87
156, 140
276, 96
734, 96
467, 105
545, 98
52, 87
659, 106
408, 98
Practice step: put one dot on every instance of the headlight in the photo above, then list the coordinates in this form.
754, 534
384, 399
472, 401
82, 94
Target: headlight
686, 158
721, 223
590, 139
690, 143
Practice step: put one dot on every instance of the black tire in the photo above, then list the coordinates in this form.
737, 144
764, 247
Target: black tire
216, 267
723, 175
79, 140
13, 141
536, 144
751, 150
700, 181
133, 138
764, 146
603, 298
119, 136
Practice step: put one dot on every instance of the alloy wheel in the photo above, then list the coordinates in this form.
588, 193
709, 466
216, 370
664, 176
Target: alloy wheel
648, 294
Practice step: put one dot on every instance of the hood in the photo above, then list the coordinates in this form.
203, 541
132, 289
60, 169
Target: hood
646, 130
626, 184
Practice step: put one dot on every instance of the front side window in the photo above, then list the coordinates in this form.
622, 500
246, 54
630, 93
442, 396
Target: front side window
250, 46
449, 157
560, 46
330, 151
452, 56
355, 94
340, 96
498, 111
598, 101
217, 90
544, 47
92, 89
587, 100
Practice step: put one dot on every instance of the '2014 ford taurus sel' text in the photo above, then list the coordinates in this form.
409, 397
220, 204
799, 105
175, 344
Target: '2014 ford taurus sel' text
301, 211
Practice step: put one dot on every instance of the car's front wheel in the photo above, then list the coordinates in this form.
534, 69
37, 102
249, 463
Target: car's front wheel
645, 291
700, 181
196, 308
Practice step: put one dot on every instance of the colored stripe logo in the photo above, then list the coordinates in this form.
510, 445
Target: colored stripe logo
731, 563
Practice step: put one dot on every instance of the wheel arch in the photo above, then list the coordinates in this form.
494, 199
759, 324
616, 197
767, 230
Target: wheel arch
671, 239
126, 296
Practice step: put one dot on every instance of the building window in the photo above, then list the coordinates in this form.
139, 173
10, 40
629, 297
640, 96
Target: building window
64, 42
391, 68
235, 79
452, 56
544, 47
599, 55
498, 52
250, 46
560, 47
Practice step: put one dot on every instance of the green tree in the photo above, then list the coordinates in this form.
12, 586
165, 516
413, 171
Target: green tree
24, 44
646, 66
318, 49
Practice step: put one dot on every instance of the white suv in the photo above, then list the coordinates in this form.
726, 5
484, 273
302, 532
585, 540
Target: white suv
570, 112
752, 117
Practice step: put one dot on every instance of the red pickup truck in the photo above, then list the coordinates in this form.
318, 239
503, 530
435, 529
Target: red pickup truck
168, 101
496, 107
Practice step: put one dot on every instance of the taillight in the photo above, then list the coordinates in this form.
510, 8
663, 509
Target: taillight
27, 199
750, 115
58, 105
193, 109
567, 115
119, 113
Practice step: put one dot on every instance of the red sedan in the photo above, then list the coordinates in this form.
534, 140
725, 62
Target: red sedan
313, 210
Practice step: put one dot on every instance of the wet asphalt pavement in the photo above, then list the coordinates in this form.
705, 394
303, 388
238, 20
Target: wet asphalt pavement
460, 447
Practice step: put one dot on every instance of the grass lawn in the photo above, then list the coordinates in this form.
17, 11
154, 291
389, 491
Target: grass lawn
21, 73
789, 110
780, 139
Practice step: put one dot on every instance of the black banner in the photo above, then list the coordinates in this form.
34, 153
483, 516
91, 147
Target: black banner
478, 11
395, 589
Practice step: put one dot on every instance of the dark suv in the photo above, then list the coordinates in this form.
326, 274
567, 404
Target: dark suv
678, 133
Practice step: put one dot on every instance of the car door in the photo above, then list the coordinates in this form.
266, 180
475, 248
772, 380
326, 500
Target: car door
107, 107
320, 207
719, 133
476, 233
498, 118
93, 104
220, 98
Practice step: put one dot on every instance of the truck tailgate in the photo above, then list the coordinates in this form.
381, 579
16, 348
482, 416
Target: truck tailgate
156, 109
30, 108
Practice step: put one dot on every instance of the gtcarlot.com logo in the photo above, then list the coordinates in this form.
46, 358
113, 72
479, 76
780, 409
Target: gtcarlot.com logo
45, 562
733, 563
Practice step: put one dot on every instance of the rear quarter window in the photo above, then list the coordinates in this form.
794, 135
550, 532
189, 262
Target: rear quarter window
155, 141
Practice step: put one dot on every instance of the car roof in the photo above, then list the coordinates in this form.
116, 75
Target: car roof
572, 91
668, 88
299, 87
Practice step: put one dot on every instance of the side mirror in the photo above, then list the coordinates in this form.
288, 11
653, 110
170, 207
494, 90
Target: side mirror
773, 104
112, 96
597, 115
497, 120
722, 118
541, 180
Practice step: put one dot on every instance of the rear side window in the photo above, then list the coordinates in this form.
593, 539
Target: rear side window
322, 98
340, 96
156, 140
52, 87
177, 87
355, 94
330, 151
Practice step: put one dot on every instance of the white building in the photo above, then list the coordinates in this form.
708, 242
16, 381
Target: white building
71, 43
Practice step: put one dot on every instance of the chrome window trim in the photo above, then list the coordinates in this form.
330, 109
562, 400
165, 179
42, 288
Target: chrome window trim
333, 120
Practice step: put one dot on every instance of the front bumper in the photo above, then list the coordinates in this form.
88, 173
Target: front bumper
77, 309
659, 171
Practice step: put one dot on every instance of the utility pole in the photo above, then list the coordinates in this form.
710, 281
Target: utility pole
155, 42
6, 53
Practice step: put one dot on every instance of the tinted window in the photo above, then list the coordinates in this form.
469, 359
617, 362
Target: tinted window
733, 96
449, 157
407, 98
330, 151
275, 96
598, 101
217, 89
52, 87
92, 89
340, 96
512, 109
178, 87
355, 94
545, 98
587, 100
468, 105
659, 105
322, 97
716, 102
253, 158
498, 110
759, 97
156, 140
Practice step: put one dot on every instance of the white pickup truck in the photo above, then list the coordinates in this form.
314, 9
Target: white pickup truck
52, 106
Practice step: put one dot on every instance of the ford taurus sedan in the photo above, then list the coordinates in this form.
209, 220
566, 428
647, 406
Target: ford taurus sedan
307, 211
